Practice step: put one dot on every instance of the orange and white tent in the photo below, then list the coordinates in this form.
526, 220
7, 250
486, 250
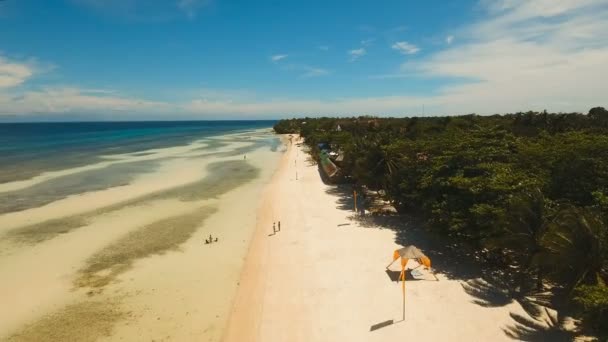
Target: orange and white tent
410, 252
405, 254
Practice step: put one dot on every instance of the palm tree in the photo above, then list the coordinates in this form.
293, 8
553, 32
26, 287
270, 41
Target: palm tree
529, 217
375, 161
577, 248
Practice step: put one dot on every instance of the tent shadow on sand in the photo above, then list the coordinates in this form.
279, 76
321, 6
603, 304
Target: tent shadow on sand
383, 324
488, 287
394, 276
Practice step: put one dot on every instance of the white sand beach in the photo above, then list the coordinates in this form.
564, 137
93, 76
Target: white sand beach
322, 277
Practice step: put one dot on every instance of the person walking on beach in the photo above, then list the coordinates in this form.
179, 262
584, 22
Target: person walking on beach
279, 227
245, 157
273, 228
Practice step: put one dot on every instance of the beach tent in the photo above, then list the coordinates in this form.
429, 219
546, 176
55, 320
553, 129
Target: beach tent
405, 254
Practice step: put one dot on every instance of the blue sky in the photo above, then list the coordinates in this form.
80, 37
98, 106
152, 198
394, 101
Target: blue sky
214, 59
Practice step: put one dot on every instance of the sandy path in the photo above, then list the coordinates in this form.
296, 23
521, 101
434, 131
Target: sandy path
319, 281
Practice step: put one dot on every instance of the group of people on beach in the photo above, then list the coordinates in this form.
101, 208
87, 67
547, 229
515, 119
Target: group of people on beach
274, 227
210, 240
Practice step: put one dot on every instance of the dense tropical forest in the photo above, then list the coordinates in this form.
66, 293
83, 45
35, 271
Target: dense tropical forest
528, 191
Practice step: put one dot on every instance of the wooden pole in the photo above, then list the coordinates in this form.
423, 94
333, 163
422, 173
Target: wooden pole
403, 266
403, 286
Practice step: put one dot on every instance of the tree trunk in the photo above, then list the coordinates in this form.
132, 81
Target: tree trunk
539, 280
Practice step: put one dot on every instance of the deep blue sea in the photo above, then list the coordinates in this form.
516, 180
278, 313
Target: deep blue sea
28, 149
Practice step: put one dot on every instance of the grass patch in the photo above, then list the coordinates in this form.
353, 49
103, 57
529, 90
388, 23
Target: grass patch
85, 322
46, 230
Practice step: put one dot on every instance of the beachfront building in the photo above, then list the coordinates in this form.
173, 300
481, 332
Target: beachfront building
328, 160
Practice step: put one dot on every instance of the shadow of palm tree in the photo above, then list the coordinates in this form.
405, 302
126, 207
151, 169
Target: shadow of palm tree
342, 192
487, 294
528, 329
450, 258
488, 285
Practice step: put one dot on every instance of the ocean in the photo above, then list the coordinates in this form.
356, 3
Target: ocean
29, 149
112, 220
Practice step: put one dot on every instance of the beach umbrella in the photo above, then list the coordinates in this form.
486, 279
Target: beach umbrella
408, 252
405, 254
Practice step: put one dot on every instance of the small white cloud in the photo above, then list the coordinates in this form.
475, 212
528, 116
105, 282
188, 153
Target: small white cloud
323, 47
313, 72
306, 71
190, 7
14, 73
356, 54
405, 48
449, 39
367, 42
276, 58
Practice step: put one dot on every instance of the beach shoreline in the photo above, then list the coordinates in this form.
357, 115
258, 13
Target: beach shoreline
323, 277
248, 301
134, 264
118, 275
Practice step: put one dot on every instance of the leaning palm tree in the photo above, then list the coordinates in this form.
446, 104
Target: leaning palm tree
522, 234
376, 161
577, 248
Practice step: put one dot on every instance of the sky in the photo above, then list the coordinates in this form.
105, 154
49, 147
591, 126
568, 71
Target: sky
268, 59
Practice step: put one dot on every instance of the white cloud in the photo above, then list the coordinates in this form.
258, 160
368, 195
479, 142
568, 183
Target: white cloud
356, 54
276, 58
323, 47
289, 107
314, 72
306, 71
541, 54
191, 7
526, 55
449, 39
405, 48
367, 42
228, 95
146, 10
14, 73
71, 99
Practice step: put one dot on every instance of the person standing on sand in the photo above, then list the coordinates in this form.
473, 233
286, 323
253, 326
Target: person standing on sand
273, 228
245, 157
279, 227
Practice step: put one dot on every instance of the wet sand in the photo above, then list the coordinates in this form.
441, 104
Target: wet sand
129, 262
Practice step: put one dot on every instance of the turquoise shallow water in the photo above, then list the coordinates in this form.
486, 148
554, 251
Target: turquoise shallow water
61, 187
24, 155
29, 149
